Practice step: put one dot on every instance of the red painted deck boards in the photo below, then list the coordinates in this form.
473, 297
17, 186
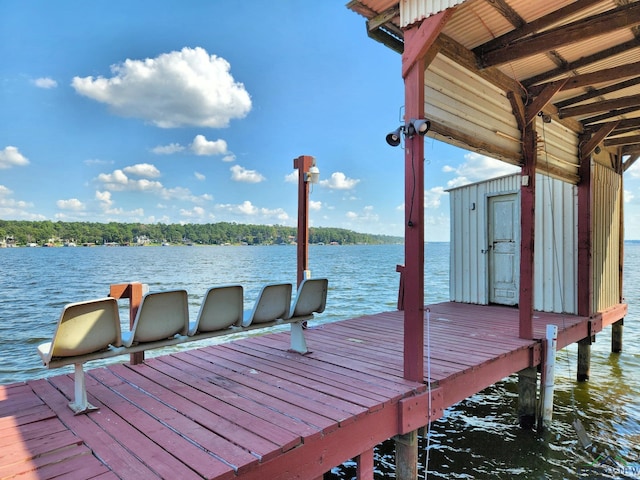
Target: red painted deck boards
251, 409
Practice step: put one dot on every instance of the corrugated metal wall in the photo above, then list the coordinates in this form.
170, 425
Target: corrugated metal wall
555, 243
482, 113
556, 246
468, 278
413, 10
481, 119
607, 203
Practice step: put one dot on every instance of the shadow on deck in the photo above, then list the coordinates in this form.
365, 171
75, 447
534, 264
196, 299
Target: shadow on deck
252, 409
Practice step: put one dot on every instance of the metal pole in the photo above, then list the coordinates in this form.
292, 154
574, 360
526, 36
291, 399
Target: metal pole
549, 374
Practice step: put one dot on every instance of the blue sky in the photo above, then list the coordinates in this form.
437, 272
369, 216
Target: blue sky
192, 112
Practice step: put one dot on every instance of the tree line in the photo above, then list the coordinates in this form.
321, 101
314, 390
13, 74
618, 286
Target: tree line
20, 232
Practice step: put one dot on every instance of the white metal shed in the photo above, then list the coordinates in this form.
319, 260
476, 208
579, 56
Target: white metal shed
485, 243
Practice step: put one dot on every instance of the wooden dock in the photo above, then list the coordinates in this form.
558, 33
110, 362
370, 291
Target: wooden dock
250, 409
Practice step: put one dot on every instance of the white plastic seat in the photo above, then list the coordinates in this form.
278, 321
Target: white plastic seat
161, 316
83, 328
221, 308
311, 298
273, 303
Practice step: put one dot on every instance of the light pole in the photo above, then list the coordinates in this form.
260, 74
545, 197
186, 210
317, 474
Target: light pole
307, 173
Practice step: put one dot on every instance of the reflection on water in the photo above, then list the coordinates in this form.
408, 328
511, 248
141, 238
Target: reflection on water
478, 438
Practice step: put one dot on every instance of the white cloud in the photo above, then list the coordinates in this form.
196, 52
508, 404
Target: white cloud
71, 204
339, 181
11, 157
199, 176
168, 149
477, 168
196, 213
241, 174
143, 170
247, 209
199, 146
367, 215
315, 206
185, 88
11, 208
292, 177
432, 197
202, 146
118, 181
97, 161
45, 82
104, 198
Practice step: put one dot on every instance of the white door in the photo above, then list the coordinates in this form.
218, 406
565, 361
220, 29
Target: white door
504, 249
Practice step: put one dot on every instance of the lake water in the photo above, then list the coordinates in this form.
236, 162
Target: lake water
478, 438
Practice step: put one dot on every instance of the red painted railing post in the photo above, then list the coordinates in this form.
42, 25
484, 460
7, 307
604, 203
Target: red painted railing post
303, 163
400, 269
133, 291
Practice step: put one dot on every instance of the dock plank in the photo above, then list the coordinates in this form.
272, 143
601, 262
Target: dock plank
251, 409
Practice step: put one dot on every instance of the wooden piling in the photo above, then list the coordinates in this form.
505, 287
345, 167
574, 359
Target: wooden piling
584, 359
527, 393
407, 456
365, 466
616, 336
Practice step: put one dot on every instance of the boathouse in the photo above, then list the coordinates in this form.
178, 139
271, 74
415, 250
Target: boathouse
550, 86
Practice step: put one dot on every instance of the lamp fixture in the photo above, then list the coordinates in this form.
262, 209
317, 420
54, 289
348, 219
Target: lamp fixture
393, 138
414, 127
313, 175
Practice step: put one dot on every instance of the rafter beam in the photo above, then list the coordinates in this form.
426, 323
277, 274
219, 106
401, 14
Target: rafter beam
630, 150
543, 98
602, 106
611, 114
583, 62
596, 138
383, 18
626, 140
518, 109
508, 12
617, 126
580, 30
597, 92
604, 75
630, 161
534, 26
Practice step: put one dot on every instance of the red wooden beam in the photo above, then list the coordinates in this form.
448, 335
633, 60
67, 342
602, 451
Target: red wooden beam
414, 230
585, 266
527, 231
303, 163
133, 291
417, 411
365, 466
418, 40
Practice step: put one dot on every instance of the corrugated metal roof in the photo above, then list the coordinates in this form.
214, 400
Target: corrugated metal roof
522, 41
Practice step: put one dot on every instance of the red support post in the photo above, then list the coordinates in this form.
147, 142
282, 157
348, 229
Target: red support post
365, 465
527, 231
133, 291
418, 47
303, 163
585, 264
414, 228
